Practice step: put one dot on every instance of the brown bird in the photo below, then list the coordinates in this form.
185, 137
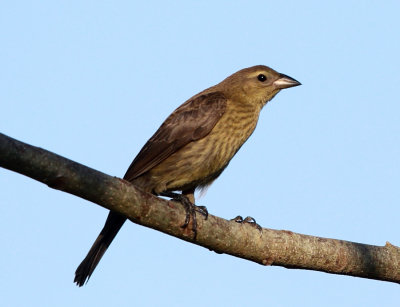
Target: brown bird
193, 146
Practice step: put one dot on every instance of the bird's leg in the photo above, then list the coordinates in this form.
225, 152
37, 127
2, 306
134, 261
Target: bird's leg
200, 209
248, 220
187, 200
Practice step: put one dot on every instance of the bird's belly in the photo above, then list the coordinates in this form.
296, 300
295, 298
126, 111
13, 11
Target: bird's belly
200, 162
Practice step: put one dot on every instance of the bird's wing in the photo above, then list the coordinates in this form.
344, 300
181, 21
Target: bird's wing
193, 120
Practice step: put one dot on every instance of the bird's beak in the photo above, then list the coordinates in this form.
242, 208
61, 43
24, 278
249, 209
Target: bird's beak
285, 82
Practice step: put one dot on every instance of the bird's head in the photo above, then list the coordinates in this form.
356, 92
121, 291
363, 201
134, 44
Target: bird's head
256, 85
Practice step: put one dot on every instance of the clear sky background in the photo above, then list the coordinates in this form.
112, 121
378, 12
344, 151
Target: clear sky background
93, 80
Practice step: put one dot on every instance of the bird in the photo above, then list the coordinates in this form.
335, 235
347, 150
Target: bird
193, 146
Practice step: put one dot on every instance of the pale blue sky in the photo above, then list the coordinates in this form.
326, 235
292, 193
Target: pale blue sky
92, 80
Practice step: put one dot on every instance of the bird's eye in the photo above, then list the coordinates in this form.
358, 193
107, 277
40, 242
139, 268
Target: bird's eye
261, 77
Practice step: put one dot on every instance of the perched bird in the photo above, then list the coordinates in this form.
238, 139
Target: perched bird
193, 146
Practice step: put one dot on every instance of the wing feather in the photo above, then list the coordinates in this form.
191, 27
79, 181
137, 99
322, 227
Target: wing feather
192, 121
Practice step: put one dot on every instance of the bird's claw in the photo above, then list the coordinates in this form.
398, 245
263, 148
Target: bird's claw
202, 210
238, 219
190, 209
248, 220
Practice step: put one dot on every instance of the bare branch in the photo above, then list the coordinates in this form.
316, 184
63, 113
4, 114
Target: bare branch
267, 247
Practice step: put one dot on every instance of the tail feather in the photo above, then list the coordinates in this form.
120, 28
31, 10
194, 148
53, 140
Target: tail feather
113, 224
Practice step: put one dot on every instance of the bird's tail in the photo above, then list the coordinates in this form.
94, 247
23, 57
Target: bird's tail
113, 224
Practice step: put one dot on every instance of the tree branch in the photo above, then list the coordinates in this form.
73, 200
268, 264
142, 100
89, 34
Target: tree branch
267, 247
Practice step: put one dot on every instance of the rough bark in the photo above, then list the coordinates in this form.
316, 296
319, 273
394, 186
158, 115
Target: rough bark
265, 246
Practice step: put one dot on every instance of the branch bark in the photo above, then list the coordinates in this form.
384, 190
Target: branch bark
266, 247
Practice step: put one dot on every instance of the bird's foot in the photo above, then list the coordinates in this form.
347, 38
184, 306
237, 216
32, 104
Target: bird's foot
190, 208
248, 220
